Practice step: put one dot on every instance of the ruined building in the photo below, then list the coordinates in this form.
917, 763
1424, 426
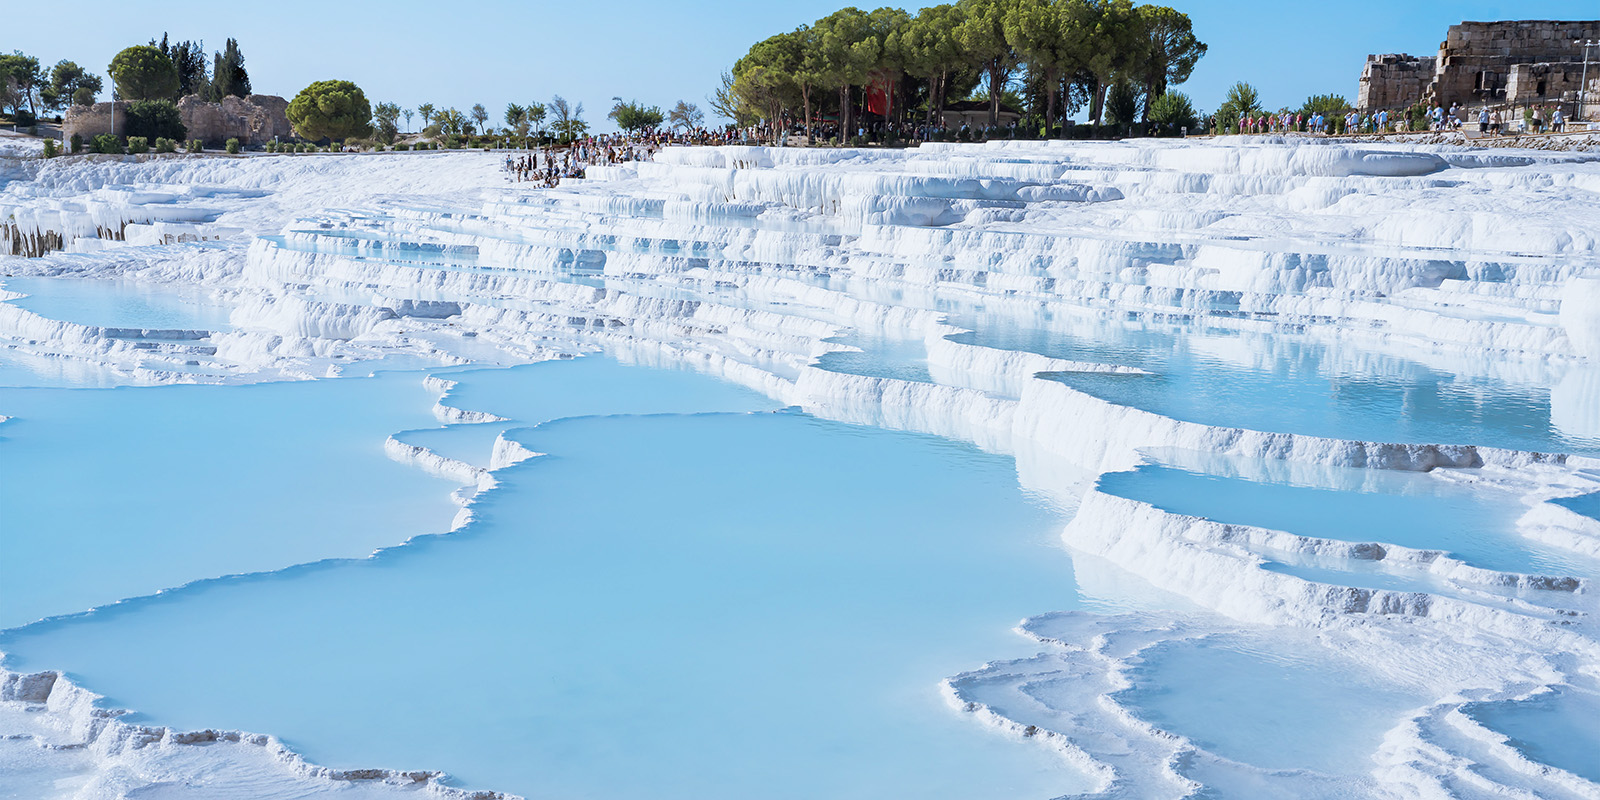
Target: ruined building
253, 120
1519, 63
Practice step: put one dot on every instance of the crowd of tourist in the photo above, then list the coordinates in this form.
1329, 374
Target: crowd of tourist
1491, 122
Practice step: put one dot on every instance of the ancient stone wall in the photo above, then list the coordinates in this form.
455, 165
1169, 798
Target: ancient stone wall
91, 121
1394, 81
253, 120
1476, 58
1543, 83
1496, 63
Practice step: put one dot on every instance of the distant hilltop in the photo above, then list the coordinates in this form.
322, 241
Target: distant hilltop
1514, 63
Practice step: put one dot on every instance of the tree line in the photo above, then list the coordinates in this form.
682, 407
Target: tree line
1054, 57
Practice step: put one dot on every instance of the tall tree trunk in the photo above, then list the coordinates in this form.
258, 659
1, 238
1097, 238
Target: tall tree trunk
1050, 106
805, 97
996, 84
888, 108
1097, 100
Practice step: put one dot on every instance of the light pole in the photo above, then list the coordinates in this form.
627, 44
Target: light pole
1583, 82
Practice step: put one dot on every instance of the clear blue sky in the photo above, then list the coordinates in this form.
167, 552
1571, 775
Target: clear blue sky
460, 52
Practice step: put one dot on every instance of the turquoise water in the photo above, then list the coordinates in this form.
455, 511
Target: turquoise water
116, 493
1290, 704
120, 304
879, 357
1585, 504
1556, 728
1409, 509
628, 617
1284, 383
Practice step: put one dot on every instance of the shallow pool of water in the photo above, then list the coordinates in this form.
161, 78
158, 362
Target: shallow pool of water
1476, 524
120, 304
1288, 704
1282, 382
708, 605
1557, 728
115, 493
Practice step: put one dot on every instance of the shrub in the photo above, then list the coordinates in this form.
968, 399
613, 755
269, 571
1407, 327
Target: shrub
24, 118
196, 146
1174, 110
232, 146
154, 119
77, 143
272, 146
164, 145
305, 147
107, 143
402, 146
50, 149
138, 145
336, 110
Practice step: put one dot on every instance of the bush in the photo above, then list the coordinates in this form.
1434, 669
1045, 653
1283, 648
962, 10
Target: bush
1174, 110
402, 146
166, 146
154, 119
232, 146
50, 149
335, 110
77, 143
196, 146
138, 145
108, 143
24, 118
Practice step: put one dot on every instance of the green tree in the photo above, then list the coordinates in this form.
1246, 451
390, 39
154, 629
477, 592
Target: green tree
334, 110
1109, 37
686, 116
932, 53
69, 82
385, 117
155, 119
451, 122
1172, 110
228, 76
24, 72
190, 60
567, 119
883, 55
841, 38
517, 120
1241, 100
426, 111
408, 113
480, 115
635, 116
143, 72
1170, 49
1037, 31
982, 34
1326, 104
536, 115
1122, 105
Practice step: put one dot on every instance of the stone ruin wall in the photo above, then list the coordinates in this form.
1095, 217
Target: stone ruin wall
1476, 59
253, 120
1493, 62
1394, 81
91, 121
